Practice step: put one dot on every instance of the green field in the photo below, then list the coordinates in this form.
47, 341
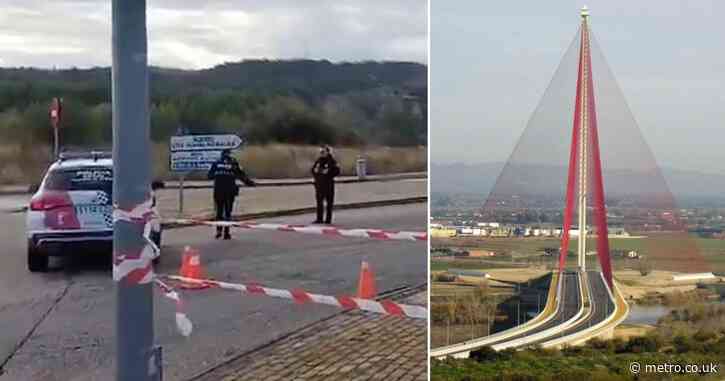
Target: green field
590, 365
692, 334
466, 264
665, 251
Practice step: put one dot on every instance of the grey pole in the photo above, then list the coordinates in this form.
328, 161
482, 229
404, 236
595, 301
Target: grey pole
181, 195
55, 143
488, 322
131, 184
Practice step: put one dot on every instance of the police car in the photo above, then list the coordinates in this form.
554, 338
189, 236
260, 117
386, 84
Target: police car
73, 209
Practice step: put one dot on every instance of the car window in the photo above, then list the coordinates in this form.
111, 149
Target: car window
77, 179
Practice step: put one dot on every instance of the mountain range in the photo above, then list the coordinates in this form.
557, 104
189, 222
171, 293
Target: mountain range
480, 178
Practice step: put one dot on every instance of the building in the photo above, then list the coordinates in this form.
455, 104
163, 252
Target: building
442, 232
500, 232
481, 253
465, 231
468, 273
617, 232
694, 277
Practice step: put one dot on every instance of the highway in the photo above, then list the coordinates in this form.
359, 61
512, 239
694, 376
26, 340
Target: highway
60, 325
573, 317
602, 312
571, 322
601, 307
570, 305
560, 307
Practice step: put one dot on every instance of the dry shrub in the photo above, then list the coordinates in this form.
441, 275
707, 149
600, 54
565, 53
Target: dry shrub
23, 164
396, 159
276, 161
160, 157
273, 161
283, 161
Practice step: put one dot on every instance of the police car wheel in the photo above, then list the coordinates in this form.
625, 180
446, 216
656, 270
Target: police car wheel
37, 259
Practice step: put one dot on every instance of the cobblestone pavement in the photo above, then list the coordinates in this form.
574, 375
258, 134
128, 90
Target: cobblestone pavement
351, 345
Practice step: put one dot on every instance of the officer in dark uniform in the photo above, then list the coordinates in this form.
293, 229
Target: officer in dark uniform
225, 172
324, 171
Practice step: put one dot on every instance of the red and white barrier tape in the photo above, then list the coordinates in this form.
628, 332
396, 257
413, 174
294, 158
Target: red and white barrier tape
300, 296
137, 267
315, 229
183, 324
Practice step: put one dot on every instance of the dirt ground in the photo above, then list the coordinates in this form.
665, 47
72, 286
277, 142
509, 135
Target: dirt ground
517, 275
668, 250
633, 285
465, 284
625, 331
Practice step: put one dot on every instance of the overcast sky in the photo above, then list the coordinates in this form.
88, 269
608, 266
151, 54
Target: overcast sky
491, 62
184, 34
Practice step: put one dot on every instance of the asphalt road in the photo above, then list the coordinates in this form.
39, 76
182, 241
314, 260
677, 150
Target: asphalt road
13, 202
601, 304
60, 325
571, 302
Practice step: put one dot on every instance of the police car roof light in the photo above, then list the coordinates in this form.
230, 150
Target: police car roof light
95, 155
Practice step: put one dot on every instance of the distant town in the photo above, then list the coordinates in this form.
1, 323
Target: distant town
497, 229
547, 222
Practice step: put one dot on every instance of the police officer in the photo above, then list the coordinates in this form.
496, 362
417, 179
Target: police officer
225, 172
324, 171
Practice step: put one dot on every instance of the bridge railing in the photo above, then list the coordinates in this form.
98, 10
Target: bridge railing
527, 340
621, 309
549, 311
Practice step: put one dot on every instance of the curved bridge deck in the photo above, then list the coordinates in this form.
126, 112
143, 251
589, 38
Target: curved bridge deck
584, 308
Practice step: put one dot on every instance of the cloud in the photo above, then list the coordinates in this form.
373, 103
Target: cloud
183, 34
664, 55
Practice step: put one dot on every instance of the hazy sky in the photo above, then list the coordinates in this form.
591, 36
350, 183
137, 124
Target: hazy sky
491, 62
184, 34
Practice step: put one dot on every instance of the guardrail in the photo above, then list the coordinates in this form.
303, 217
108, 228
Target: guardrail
619, 313
526, 340
463, 349
621, 309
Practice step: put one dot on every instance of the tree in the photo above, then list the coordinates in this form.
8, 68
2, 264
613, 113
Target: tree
452, 307
641, 344
473, 307
485, 354
297, 101
644, 267
165, 120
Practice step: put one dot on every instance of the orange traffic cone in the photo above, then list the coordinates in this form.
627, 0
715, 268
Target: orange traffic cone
191, 268
366, 285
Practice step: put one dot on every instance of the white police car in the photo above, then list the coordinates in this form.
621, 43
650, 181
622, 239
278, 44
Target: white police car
73, 209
